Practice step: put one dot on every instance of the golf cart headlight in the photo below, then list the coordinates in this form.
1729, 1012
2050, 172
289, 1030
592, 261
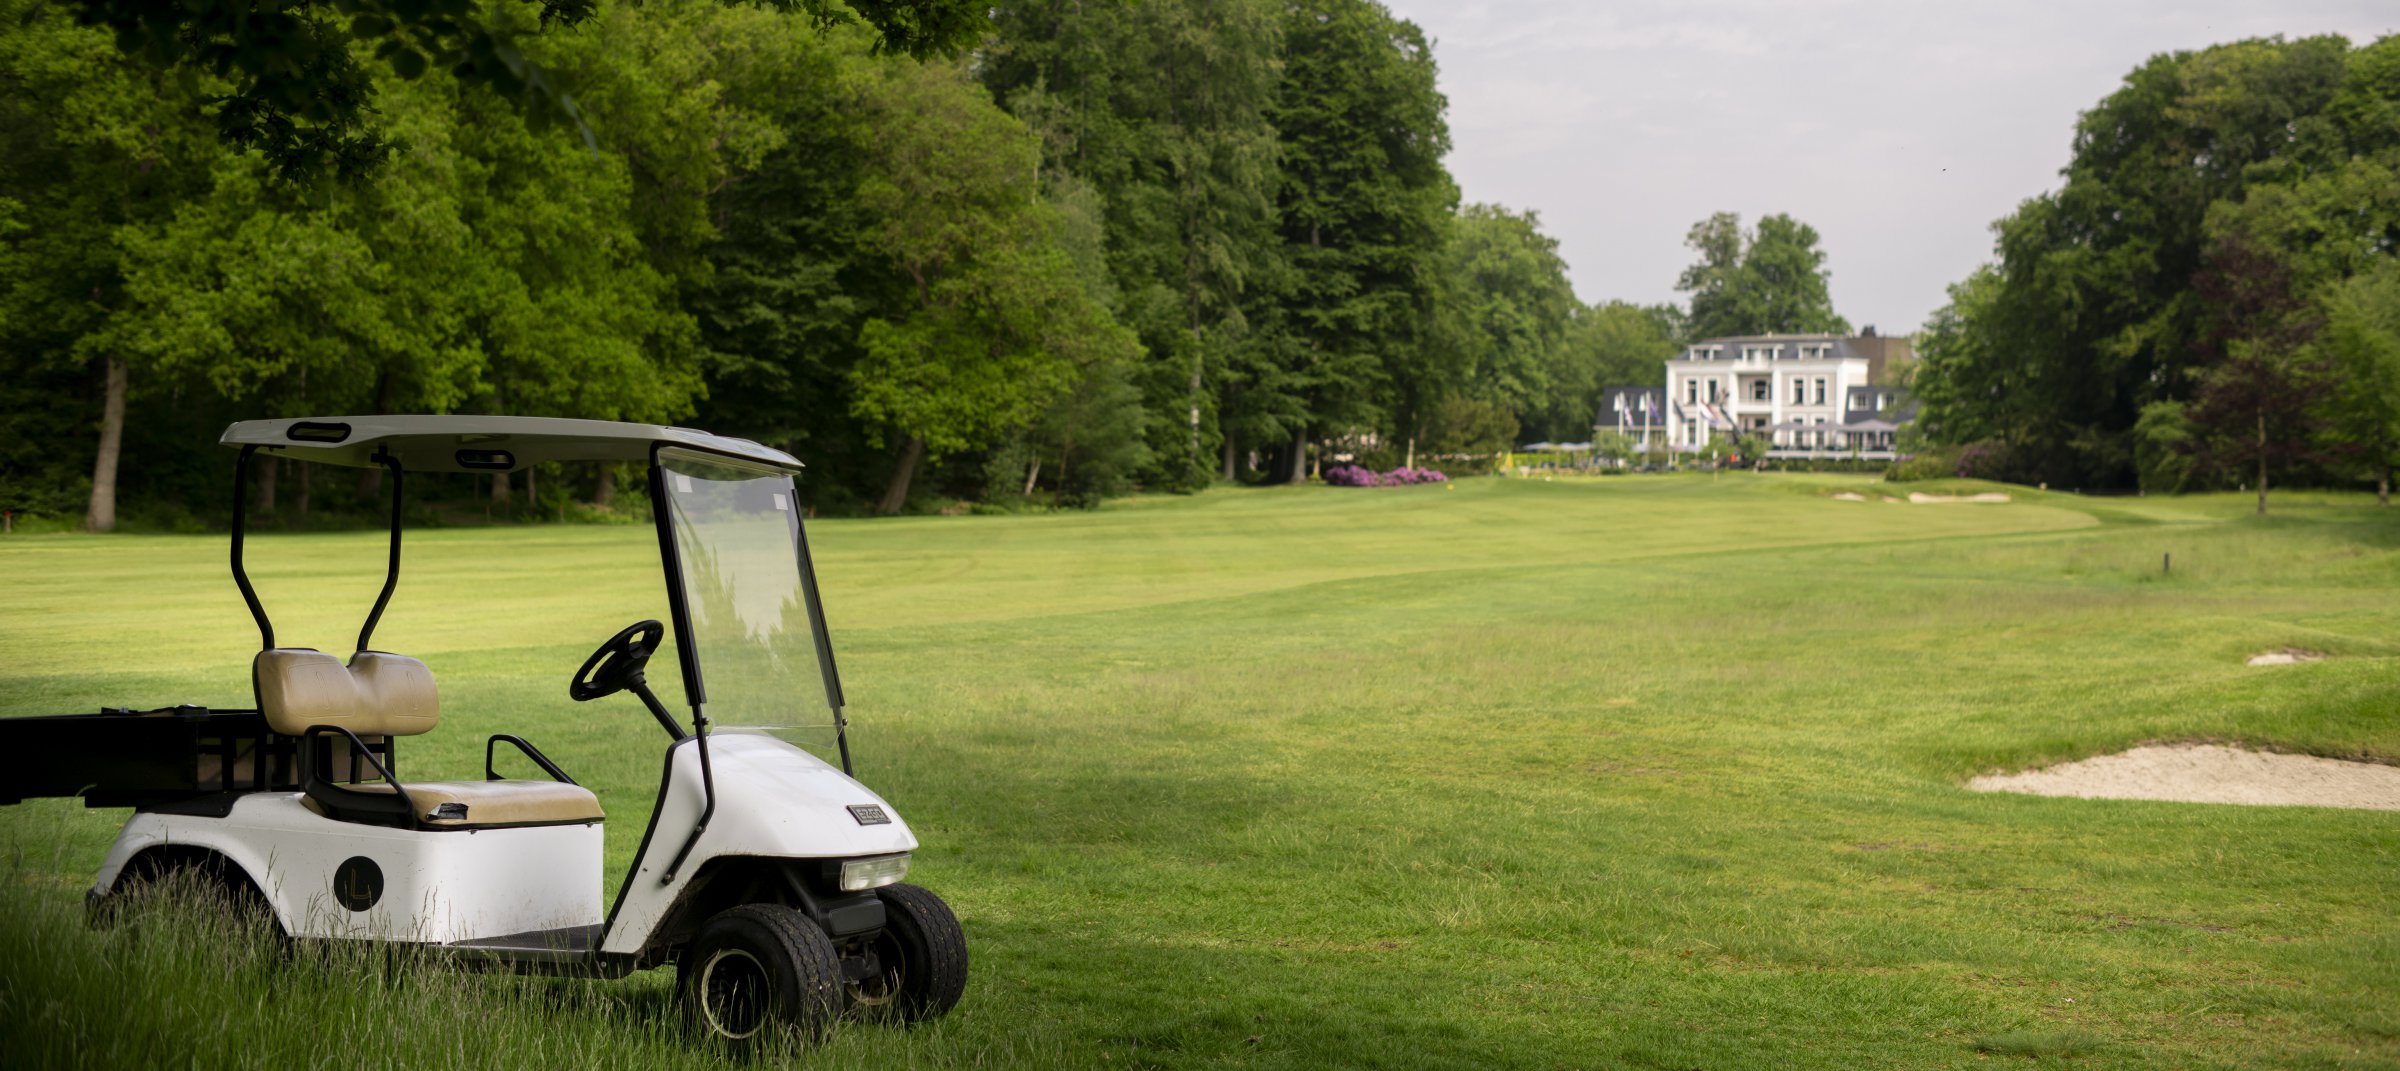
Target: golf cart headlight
860, 875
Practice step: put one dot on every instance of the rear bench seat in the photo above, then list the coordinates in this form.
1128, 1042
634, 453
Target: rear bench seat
382, 694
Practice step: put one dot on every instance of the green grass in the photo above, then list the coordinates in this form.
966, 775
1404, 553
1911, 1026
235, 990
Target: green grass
1637, 772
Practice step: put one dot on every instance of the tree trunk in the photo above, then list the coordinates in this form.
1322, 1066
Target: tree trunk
1412, 453
101, 514
1299, 472
606, 492
2262, 463
1032, 472
2383, 489
532, 500
895, 493
1228, 457
302, 501
263, 503
1198, 373
500, 489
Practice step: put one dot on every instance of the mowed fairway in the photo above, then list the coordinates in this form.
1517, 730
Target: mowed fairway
1644, 772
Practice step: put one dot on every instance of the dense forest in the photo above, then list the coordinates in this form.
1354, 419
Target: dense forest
2211, 298
1034, 254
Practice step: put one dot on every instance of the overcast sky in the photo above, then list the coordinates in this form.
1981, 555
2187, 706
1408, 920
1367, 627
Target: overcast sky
1900, 129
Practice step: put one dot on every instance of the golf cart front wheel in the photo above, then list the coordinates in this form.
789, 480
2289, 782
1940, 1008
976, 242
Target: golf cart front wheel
921, 957
759, 970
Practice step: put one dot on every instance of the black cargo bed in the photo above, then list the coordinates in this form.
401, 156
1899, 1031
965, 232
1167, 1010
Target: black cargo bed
124, 758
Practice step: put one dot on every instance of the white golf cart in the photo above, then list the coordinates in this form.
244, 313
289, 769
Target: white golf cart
767, 875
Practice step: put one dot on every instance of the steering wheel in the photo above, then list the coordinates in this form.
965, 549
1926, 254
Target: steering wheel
617, 665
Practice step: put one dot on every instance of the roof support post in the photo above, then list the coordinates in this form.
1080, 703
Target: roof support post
391, 574
241, 578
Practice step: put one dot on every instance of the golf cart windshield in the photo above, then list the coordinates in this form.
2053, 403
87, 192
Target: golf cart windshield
755, 656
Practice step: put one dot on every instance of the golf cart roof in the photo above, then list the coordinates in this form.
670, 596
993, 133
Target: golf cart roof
480, 443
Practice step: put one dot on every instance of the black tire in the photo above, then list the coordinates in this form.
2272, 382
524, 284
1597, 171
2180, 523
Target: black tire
758, 971
922, 954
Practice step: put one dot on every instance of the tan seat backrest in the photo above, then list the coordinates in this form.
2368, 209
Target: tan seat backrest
376, 694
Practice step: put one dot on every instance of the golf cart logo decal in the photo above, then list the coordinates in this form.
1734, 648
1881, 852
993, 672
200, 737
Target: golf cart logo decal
869, 814
358, 883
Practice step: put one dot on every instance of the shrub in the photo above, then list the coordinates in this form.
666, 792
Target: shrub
1359, 476
1985, 460
1934, 463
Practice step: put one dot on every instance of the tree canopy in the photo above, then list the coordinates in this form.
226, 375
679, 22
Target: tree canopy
1771, 280
2180, 285
1121, 246
300, 74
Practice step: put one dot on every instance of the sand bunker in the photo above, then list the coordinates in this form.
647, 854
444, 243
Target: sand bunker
2287, 656
1921, 498
2209, 773
1851, 496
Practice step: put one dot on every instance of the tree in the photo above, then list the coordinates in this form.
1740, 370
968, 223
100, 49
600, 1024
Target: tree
1507, 290
999, 321
2092, 312
1612, 345
1614, 447
1157, 112
2359, 405
1969, 381
793, 279
1362, 209
2163, 447
2252, 410
92, 149
299, 93
1768, 281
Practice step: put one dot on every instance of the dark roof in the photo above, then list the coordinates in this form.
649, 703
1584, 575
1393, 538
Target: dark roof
1770, 338
1845, 347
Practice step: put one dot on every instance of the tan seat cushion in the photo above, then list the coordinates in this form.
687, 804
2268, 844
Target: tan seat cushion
497, 803
375, 694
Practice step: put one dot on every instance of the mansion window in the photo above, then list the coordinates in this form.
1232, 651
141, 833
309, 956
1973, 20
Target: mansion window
1758, 390
1820, 351
1820, 391
1691, 392
1798, 394
1712, 392
1760, 353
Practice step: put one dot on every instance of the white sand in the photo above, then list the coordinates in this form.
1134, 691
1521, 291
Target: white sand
2287, 656
2209, 773
1921, 498
1851, 496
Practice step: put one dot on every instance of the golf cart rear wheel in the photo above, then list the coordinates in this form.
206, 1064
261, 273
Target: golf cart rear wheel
195, 877
921, 957
759, 970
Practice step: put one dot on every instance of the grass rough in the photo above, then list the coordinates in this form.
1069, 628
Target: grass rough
1640, 772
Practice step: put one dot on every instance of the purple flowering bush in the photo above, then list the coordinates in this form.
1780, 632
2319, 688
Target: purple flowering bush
1360, 476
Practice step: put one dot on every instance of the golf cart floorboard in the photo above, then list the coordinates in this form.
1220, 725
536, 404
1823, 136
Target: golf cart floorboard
569, 940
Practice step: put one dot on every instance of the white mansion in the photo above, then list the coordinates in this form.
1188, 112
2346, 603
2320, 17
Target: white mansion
1808, 395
